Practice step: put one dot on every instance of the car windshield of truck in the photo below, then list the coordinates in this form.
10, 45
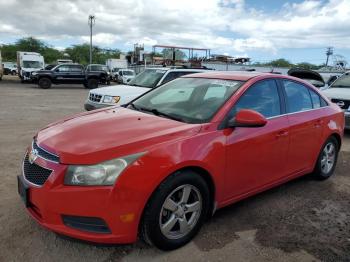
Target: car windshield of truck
32, 64
342, 82
189, 100
148, 78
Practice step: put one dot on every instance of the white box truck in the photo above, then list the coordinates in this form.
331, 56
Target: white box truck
28, 62
114, 64
1, 68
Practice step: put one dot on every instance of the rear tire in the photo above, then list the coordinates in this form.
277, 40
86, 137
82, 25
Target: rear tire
92, 83
45, 83
176, 211
327, 159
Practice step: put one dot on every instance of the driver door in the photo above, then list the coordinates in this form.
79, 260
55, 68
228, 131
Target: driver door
257, 156
62, 74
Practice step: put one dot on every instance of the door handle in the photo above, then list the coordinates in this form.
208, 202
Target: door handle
282, 133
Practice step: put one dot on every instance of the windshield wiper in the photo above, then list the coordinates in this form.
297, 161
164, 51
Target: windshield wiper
158, 113
134, 106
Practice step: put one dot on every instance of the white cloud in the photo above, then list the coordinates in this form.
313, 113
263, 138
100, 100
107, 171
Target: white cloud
224, 25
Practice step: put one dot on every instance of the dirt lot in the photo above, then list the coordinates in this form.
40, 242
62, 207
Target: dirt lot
303, 220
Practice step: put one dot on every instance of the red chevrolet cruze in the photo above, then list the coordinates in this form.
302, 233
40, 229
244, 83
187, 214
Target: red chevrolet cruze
158, 166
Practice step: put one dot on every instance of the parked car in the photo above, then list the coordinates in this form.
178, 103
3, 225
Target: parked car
143, 82
339, 93
160, 165
124, 75
10, 68
105, 74
68, 74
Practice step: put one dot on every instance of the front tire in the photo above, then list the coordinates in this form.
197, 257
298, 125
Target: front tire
45, 83
92, 83
176, 211
327, 159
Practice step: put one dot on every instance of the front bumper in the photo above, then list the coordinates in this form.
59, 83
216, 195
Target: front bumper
89, 105
51, 204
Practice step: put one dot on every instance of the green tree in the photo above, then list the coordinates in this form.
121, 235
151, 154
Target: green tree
280, 63
30, 44
81, 54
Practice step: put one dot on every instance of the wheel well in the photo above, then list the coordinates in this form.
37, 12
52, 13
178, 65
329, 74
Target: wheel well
208, 179
48, 77
337, 136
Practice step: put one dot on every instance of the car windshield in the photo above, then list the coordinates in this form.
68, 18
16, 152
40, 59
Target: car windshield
128, 73
32, 64
190, 100
342, 82
148, 78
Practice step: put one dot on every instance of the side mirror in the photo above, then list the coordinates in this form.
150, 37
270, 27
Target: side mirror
247, 118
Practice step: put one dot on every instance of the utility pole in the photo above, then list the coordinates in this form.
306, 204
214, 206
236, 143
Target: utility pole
329, 52
91, 23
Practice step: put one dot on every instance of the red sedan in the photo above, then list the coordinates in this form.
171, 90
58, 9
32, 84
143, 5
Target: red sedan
158, 166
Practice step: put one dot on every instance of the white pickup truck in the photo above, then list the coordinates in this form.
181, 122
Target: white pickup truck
143, 82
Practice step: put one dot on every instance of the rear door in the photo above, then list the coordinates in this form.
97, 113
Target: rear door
77, 74
306, 125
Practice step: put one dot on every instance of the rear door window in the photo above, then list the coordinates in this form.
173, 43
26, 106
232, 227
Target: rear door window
298, 97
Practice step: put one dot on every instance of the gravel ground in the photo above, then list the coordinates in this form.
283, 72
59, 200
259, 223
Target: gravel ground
303, 220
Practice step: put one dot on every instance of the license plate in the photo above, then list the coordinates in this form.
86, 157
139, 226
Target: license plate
23, 190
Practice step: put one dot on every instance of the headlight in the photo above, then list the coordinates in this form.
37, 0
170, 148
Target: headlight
103, 174
111, 99
34, 73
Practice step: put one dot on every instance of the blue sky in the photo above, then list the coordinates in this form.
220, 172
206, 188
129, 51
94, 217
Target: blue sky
298, 30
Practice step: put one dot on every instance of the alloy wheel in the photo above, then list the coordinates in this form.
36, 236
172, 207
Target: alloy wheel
180, 211
328, 158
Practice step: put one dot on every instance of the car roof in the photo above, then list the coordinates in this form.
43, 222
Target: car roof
229, 75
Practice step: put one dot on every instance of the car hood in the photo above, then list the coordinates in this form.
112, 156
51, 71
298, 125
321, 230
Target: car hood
306, 74
43, 71
118, 90
337, 93
93, 137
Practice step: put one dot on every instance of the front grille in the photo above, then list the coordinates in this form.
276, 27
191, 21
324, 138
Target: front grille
45, 154
95, 97
346, 103
35, 174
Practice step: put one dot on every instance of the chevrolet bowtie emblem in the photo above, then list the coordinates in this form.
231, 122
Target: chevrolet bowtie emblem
33, 155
